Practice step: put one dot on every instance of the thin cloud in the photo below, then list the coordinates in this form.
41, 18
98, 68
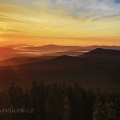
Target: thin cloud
85, 7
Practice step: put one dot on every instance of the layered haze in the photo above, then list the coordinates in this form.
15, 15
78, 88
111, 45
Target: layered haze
50, 50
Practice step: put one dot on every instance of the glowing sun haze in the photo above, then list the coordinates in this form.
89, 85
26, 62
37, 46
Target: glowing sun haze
64, 22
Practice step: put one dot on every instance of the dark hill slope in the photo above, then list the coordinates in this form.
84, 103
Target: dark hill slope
100, 53
23, 60
65, 69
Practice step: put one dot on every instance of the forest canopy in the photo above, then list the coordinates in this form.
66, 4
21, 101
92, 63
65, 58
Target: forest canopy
57, 101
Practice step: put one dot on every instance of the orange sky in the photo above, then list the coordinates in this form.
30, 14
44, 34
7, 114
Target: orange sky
36, 40
41, 22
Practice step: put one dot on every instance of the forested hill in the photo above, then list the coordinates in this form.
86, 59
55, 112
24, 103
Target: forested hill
102, 69
59, 102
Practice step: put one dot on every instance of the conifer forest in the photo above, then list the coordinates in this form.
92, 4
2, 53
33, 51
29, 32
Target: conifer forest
57, 101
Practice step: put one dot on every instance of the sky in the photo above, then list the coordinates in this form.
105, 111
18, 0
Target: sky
61, 22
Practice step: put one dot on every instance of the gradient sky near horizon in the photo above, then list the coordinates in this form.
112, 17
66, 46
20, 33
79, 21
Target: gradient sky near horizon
62, 22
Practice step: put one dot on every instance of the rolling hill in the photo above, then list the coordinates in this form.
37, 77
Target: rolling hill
100, 53
98, 68
23, 60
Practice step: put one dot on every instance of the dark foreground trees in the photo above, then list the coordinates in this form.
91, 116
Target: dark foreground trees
59, 102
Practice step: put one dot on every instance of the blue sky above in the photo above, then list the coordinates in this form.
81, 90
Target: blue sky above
117, 1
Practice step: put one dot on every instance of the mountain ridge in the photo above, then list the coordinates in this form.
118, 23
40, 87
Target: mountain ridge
64, 69
100, 53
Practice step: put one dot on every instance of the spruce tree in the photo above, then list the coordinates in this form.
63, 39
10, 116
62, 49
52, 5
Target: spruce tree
66, 114
99, 110
111, 111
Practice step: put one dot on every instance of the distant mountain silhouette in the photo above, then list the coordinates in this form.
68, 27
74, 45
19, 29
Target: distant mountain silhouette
65, 58
100, 53
69, 53
99, 67
25, 50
